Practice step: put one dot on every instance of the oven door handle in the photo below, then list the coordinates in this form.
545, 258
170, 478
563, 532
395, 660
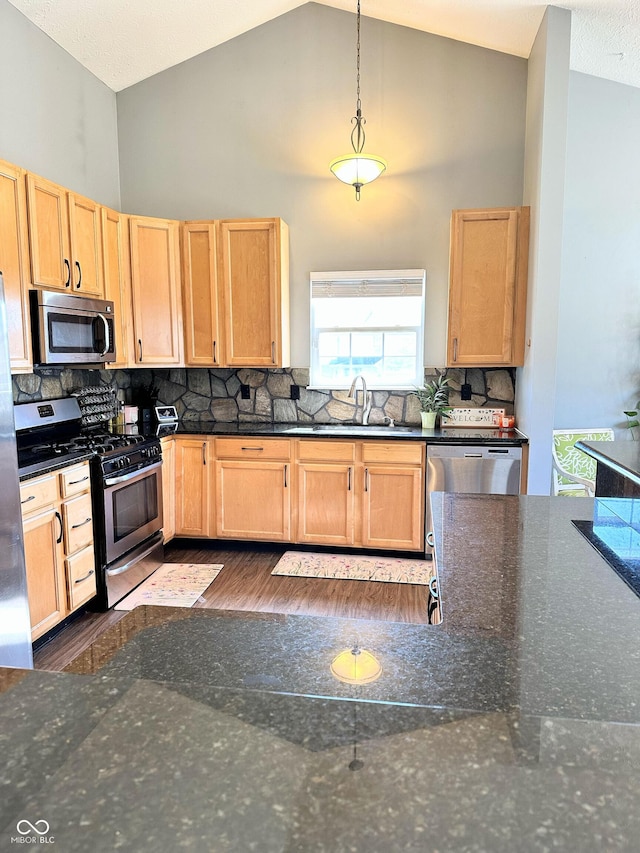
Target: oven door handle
141, 472
135, 559
107, 336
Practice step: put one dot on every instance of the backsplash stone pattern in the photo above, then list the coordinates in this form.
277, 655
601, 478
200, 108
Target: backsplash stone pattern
214, 395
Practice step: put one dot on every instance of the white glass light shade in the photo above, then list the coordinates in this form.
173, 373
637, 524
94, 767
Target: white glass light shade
357, 169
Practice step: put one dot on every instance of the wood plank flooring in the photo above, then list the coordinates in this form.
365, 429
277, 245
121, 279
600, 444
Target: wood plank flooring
246, 583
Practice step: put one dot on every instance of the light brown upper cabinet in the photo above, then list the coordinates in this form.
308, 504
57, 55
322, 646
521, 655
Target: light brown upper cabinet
155, 285
14, 264
64, 237
117, 281
254, 282
488, 287
203, 347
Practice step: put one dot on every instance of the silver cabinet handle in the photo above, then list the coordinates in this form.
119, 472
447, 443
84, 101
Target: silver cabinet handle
252, 448
81, 480
455, 349
30, 498
433, 587
430, 540
68, 266
86, 577
140, 348
59, 539
349, 480
215, 352
285, 476
204, 452
273, 352
81, 524
79, 268
366, 479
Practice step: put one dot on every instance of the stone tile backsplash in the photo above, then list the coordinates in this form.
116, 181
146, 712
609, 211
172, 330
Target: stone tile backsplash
215, 395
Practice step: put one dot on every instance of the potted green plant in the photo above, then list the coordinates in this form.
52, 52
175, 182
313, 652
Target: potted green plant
434, 399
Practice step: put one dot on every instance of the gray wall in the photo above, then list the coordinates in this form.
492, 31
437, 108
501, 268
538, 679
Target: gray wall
58, 120
598, 363
545, 155
249, 127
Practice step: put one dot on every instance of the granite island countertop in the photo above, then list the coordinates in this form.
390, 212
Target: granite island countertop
511, 726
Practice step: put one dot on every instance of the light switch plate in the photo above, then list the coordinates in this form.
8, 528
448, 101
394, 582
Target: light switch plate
475, 417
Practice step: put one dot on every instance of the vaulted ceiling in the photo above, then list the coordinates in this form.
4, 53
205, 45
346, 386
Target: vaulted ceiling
125, 41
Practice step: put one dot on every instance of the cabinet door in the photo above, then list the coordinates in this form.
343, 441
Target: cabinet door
78, 523
45, 572
253, 500
117, 281
487, 291
48, 234
203, 347
255, 287
86, 246
168, 488
155, 284
393, 507
81, 577
193, 491
14, 264
326, 503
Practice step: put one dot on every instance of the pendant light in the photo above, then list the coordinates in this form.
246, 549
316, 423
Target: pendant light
357, 168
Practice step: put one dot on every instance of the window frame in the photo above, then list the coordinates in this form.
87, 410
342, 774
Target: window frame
367, 278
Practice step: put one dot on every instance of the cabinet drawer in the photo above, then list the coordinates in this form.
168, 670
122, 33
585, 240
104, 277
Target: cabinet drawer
253, 448
75, 480
38, 493
411, 453
326, 451
81, 577
78, 523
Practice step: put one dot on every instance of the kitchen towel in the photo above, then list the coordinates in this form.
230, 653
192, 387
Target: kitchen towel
172, 585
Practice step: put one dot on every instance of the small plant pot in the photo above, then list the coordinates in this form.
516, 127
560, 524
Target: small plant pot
428, 419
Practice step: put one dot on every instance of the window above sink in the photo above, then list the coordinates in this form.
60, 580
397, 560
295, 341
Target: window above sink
368, 322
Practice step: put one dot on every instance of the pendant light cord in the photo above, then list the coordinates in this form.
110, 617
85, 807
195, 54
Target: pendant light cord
357, 134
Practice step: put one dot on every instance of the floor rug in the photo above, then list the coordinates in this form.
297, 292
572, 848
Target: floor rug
353, 567
172, 585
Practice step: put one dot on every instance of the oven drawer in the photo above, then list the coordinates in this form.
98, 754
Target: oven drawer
75, 480
78, 523
81, 577
38, 493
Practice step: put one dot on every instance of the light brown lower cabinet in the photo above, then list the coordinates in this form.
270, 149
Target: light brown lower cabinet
253, 489
57, 522
168, 487
193, 501
342, 493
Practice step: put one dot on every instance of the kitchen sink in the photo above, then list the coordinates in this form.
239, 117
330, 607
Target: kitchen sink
349, 429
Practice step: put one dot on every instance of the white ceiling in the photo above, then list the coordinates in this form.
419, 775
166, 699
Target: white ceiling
125, 41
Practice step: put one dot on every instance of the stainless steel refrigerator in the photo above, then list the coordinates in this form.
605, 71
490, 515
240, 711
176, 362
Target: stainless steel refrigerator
15, 623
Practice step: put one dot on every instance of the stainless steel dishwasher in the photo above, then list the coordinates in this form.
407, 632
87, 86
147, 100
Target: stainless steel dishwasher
481, 469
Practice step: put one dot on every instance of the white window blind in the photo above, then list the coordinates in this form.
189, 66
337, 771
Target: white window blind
367, 322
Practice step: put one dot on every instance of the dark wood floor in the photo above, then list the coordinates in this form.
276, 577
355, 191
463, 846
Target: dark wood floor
246, 583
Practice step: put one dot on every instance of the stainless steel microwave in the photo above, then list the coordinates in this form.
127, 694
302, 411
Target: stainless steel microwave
71, 329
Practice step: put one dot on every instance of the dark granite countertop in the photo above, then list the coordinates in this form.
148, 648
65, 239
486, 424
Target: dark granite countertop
511, 726
620, 456
28, 472
446, 435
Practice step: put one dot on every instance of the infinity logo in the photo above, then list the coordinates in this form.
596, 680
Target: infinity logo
24, 827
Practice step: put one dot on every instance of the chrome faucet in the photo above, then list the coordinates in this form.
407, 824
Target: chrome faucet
366, 398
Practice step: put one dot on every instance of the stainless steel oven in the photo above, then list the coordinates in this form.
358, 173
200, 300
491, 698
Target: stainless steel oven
132, 509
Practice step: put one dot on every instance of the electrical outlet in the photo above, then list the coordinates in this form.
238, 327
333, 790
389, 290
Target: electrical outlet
245, 391
465, 391
295, 392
